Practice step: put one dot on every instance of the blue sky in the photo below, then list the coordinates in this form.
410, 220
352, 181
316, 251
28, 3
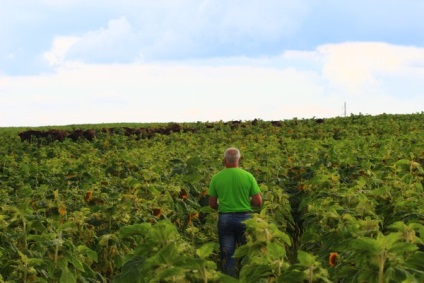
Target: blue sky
81, 62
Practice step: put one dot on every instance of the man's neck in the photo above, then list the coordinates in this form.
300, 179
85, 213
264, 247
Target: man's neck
231, 165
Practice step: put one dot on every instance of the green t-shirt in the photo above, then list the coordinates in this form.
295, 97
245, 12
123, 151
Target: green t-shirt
233, 187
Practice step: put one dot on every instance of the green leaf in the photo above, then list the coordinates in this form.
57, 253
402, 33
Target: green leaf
136, 229
66, 225
415, 261
283, 236
276, 251
67, 276
305, 259
255, 273
206, 250
131, 271
389, 240
191, 263
292, 276
241, 251
192, 178
62, 263
84, 250
167, 255
227, 279
403, 162
400, 248
75, 262
106, 238
40, 238
366, 246
194, 161
171, 272
35, 261
398, 225
206, 209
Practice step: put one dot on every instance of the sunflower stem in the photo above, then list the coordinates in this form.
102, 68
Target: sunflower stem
381, 262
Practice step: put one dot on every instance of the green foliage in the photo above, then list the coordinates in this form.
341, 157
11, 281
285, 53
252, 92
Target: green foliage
264, 255
128, 209
162, 254
386, 258
308, 269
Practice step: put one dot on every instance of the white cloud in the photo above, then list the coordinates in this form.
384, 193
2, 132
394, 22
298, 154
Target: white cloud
60, 47
372, 78
355, 68
116, 42
155, 30
111, 31
149, 93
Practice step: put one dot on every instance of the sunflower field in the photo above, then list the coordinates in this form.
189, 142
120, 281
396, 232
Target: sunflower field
343, 201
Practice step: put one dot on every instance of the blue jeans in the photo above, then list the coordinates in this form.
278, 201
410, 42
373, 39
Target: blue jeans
231, 235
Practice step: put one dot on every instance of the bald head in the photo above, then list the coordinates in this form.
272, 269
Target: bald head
231, 157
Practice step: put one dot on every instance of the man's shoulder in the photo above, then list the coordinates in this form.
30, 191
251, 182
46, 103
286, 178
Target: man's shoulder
230, 171
246, 172
218, 175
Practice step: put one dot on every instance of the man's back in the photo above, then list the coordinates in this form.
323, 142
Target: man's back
233, 187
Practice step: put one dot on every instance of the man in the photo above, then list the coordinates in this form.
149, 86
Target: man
233, 191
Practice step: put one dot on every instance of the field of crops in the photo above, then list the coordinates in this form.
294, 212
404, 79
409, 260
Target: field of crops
343, 201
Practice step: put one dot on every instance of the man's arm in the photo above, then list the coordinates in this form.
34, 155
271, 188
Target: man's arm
256, 200
213, 202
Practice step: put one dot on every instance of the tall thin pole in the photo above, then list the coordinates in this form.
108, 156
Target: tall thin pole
345, 109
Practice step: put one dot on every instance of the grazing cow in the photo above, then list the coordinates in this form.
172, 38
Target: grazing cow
75, 135
80, 134
174, 127
255, 122
31, 134
56, 135
50, 135
234, 124
89, 134
277, 123
209, 125
129, 131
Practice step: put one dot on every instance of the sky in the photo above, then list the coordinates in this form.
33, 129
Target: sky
67, 62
